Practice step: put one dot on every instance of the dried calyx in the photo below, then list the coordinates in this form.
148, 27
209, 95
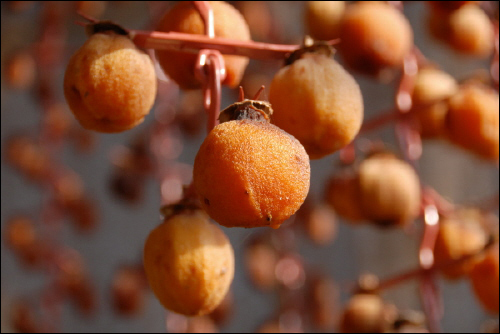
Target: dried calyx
310, 46
105, 27
189, 203
247, 109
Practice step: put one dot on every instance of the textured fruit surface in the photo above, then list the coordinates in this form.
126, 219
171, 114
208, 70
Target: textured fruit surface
189, 263
459, 236
484, 279
472, 120
432, 88
109, 84
184, 17
316, 100
250, 173
374, 35
389, 190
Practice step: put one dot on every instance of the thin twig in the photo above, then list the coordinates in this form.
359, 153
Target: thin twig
190, 43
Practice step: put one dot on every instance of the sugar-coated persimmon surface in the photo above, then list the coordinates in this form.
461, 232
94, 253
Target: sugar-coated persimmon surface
251, 173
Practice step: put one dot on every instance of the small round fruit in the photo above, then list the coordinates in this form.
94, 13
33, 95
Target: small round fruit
316, 100
189, 263
459, 236
251, 173
260, 262
323, 300
389, 190
184, 17
484, 279
374, 36
342, 193
323, 19
321, 225
364, 313
467, 30
472, 120
109, 84
20, 70
128, 290
432, 88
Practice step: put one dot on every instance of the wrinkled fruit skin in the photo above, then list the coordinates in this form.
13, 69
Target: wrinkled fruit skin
189, 263
109, 84
250, 174
318, 102
184, 17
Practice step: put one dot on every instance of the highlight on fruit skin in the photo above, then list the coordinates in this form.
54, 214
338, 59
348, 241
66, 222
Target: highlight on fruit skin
250, 173
184, 17
189, 263
374, 36
318, 102
109, 84
472, 121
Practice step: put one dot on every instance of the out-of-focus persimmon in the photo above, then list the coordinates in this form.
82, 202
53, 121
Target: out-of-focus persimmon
184, 17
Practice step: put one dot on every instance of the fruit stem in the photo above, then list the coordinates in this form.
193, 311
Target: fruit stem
420, 272
429, 292
382, 118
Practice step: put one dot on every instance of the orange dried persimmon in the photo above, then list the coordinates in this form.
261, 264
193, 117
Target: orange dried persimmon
374, 36
316, 100
250, 173
472, 120
110, 85
184, 17
485, 279
189, 263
